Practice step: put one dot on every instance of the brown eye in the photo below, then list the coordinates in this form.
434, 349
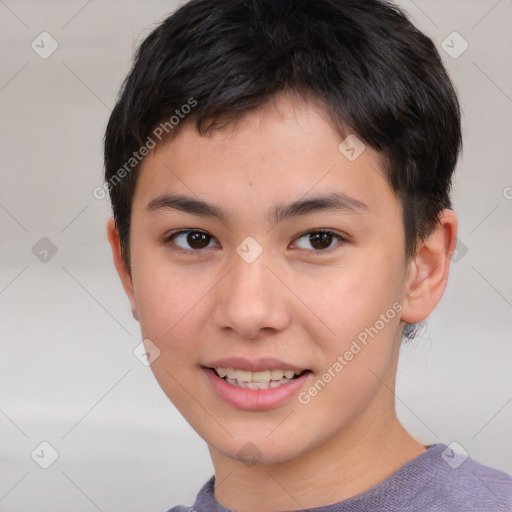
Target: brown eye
318, 241
198, 240
190, 240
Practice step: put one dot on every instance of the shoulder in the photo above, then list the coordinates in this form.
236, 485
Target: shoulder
438, 480
454, 482
205, 499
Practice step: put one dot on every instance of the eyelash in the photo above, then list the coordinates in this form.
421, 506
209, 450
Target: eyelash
169, 239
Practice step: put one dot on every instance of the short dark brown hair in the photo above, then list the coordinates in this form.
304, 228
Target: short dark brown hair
374, 71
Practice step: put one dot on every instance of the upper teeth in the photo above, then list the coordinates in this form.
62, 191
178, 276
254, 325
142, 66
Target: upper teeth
263, 376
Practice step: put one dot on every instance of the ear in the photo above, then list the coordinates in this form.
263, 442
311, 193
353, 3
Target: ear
428, 271
120, 264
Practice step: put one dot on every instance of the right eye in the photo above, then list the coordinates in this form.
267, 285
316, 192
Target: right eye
189, 240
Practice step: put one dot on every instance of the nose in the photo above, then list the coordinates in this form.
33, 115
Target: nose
251, 299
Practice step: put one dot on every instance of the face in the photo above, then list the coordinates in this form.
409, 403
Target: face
263, 247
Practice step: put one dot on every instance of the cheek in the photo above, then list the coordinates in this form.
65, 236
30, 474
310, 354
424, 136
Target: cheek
362, 350
170, 315
362, 310
167, 300
349, 301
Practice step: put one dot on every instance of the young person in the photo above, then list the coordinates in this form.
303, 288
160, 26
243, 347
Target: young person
279, 172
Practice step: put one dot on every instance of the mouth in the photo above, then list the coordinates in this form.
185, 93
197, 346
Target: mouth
264, 379
244, 392
257, 383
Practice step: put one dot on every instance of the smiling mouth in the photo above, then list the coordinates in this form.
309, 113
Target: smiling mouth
265, 379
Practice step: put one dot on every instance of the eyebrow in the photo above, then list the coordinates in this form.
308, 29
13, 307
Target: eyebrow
334, 202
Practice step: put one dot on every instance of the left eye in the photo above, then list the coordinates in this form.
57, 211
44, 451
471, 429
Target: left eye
318, 240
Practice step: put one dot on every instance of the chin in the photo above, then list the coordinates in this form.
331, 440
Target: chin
261, 450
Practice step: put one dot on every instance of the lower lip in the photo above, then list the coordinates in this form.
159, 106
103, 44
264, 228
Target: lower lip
255, 399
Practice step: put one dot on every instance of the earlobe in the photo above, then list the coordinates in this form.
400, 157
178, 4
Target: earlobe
120, 264
428, 272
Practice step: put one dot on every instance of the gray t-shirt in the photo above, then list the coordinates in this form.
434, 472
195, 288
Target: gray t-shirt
438, 480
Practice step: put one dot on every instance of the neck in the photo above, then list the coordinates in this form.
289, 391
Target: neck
345, 466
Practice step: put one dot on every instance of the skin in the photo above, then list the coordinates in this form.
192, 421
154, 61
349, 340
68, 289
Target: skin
294, 302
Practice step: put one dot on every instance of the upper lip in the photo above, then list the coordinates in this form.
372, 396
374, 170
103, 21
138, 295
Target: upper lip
253, 365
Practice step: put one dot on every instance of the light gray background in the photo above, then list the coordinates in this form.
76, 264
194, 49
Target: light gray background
68, 375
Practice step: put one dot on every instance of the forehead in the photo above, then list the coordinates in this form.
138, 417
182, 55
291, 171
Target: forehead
281, 152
